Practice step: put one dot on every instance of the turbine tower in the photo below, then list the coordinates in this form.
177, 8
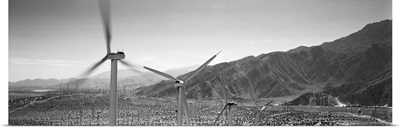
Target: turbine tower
76, 86
61, 87
68, 86
324, 96
309, 100
181, 88
104, 6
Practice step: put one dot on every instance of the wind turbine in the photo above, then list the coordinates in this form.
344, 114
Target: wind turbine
330, 99
312, 99
104, 6
309, 100
258, 112
124, 84
324, 96
259, 109
125, 90
76, 87
61, 87
312, 102
180, 84
68, 86
227, 107
321, 100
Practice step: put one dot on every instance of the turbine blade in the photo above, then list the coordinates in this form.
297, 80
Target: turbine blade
223, 87
254, 100
213, 88
194, 73
265, 106
269, 102
185, 106
133, 67
251, 93
252, 89
104, 6
226, 97
161, 73
86, 73
220, 114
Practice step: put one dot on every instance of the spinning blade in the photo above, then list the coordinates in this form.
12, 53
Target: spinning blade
161, 73
105, 14
219, 115
90, 70
201, 67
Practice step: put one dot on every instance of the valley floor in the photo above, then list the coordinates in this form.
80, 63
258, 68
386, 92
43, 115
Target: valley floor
92, 110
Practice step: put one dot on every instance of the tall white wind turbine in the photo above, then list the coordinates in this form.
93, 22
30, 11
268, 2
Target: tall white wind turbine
104, 6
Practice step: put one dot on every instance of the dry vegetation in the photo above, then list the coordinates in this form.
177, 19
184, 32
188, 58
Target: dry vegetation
93, 110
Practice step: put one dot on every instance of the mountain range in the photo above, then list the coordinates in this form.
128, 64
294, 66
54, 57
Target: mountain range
131, 78
357, 69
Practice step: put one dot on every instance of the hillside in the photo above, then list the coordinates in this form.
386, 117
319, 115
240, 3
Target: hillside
362, 61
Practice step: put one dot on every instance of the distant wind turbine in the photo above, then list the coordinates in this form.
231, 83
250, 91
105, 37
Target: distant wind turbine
76, 86
68, 91
259, 109
181, 85
228, 105
61, 87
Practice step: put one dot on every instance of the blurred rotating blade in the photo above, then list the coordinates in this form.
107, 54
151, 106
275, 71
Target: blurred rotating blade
86, 73
185, 106
194, 73
223, 87
104, 6
254, 100
265, 106
161, 73
220, 113
252, 90
269, 102
131, 66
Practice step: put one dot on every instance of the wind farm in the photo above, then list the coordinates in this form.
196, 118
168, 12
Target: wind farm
252, 72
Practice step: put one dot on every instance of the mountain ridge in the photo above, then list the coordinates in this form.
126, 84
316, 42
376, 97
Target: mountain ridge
134, 78
357, 57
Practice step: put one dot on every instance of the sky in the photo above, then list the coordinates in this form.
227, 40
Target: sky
62, 38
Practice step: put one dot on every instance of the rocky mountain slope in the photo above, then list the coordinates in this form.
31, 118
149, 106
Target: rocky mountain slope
352, 68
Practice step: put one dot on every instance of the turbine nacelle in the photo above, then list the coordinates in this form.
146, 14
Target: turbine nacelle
179, 82
116, 56
231, 104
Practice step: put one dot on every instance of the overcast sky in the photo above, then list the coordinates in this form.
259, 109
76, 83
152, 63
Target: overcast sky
62, 38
